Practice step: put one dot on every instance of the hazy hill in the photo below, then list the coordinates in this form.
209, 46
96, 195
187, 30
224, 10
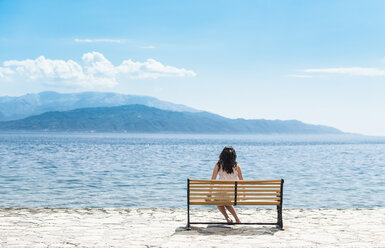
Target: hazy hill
13, 108
141, 118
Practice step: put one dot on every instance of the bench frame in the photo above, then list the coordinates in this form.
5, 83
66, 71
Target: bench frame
278, 224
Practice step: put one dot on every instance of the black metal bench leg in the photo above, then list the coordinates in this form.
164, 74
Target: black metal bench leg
188, 227
279, 209
279, 217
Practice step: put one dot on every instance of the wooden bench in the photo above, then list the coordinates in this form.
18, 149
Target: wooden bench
240, 192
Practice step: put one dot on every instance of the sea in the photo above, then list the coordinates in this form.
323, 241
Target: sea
123, 170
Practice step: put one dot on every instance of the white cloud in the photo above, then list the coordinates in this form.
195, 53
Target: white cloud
151, 69
47, 70
5, 72
352, 71
98, 40
95, 71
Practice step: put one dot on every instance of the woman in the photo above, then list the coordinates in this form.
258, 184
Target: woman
228, 169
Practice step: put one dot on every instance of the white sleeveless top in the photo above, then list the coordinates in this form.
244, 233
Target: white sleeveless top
223, 175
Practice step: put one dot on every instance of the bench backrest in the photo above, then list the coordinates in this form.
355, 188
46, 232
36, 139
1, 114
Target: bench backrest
240, 192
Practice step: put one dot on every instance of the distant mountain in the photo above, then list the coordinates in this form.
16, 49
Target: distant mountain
13, 108
141, 118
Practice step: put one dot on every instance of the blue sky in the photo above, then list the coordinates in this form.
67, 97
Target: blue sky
321, 62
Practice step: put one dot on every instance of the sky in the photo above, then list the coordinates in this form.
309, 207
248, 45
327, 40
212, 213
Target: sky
320, 62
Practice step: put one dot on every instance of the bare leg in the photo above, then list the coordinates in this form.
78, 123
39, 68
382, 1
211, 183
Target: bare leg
223, 211
232, 211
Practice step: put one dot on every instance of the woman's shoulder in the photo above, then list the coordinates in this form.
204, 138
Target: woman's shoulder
216, 167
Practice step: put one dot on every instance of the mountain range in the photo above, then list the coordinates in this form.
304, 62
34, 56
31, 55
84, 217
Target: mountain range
142, 118
13, 108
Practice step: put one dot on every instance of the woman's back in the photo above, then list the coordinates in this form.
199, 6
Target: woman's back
223, 175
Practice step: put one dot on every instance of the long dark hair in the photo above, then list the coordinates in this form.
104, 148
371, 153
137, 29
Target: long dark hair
227, 159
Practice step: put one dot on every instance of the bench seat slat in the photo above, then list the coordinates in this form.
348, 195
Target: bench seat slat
232, 198
218, 203
211, 198
260, 187
240, 182
231, 186
242, 194
224, 203
258, 203
258, 198
212, 190
247, 181
212, 186
239, 190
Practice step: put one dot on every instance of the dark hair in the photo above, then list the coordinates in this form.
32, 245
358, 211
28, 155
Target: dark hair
227, 159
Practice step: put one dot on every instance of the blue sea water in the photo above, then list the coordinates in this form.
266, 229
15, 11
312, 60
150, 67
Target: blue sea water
150, 170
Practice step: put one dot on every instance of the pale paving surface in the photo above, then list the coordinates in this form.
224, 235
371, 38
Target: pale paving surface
40, 227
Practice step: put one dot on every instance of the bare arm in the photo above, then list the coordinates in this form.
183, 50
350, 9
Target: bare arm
239, 172
240, 178
215, 171
213, 177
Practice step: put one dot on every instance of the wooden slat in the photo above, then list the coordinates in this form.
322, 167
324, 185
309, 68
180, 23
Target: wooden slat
212, 182
258, 203
259, 182
258, 198
248, 193
212, 198
220, 203
239, 182
238, 190
208, 190
213, 186
232, 186
259, 190
224, 203
249, 181
242, 194
210, 193
243, 186
271, 188
263, 190
206, 181
240, 199
257, 186
260, 187
230, 183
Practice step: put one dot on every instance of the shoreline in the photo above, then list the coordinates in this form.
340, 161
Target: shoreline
164, 227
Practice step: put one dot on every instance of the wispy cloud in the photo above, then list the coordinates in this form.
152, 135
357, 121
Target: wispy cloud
351, 71
299, 76
98, 40
147, 47
95, 70
6, 72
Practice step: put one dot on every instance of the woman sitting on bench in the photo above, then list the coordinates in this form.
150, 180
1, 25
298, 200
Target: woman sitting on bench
228, 169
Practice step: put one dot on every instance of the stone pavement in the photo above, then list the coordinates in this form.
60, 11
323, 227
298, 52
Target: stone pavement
61, 227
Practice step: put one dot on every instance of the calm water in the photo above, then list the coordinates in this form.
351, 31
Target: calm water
127, 170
